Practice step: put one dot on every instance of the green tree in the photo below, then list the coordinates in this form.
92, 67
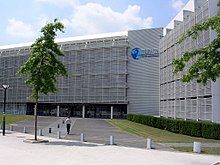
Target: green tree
207, 65
42, 66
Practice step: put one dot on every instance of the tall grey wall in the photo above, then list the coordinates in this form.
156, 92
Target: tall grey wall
96, 74
143, 74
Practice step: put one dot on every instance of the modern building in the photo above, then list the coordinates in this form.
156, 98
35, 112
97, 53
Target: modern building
104, 80
187, 100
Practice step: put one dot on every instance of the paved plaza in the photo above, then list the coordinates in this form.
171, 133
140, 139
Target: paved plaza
128, 150
94, 130
14, 151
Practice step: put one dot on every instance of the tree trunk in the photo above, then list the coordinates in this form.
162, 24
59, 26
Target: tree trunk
35, 114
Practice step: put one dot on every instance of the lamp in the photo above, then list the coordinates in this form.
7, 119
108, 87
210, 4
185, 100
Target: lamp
5, 87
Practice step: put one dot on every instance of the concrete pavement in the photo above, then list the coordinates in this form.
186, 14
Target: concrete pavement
13, 151
95, 130
99, 131
43, 122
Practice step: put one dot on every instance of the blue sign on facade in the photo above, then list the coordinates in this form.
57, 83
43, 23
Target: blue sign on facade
136, 53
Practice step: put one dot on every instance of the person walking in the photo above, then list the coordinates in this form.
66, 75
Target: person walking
68, 124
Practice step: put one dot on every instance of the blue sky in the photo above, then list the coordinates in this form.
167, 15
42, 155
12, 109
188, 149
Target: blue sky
21, 20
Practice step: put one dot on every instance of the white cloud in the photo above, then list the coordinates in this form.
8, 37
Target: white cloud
90, 18
177, 5
94, 18
18, 28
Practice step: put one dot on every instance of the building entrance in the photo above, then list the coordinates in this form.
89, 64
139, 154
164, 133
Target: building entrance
76, 110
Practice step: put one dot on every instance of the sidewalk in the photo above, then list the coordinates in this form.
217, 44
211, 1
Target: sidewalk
14, 151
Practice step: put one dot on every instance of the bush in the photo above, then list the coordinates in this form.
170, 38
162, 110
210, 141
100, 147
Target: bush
210, 130
173, 126
185, 127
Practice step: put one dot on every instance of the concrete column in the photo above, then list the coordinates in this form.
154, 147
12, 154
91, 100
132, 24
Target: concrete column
111, 112
24, 131
58, 110
83, 111
82, 137
112, 141
149, 144
59, 135
40, 132
197, 147
35, 110
11, 128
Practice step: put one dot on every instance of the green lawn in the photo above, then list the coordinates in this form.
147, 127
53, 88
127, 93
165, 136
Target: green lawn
157, 135
11, 119
205, 150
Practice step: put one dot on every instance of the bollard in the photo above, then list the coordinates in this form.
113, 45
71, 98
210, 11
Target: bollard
58, 125
112, 140
50, 130
40, 132
59, 134
24, 131
197, 147
11, 127
149, 144
82, 137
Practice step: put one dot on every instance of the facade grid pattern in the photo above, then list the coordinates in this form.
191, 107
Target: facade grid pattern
97, 73
177, 99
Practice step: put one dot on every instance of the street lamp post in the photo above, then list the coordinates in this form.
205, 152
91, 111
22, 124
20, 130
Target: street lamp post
5, 87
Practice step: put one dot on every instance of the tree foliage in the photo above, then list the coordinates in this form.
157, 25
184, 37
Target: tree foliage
43, 67
207, 64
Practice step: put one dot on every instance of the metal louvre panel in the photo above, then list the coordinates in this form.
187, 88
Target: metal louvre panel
143, 74
192, 100
96, 74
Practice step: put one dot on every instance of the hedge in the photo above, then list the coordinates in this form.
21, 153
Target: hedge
185, 127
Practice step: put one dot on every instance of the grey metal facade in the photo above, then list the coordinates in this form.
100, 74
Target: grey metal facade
143, 74
191, 100
10, 61
100, 72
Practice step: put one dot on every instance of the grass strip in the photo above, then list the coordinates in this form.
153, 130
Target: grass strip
11, 118
204, 150
157, 135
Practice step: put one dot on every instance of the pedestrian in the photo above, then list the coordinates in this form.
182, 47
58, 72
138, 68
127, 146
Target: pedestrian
68, 124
